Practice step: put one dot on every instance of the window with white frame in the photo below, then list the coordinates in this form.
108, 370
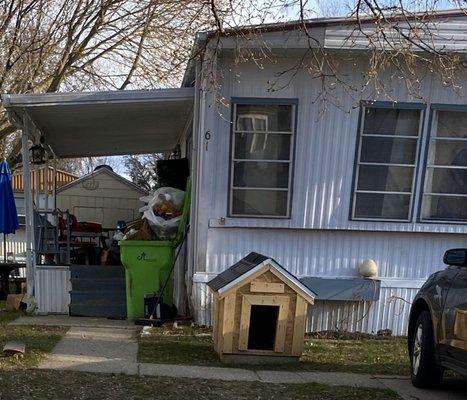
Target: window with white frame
261, 159
386, 163
445, 185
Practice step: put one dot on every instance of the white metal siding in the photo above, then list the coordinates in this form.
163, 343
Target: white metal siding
333, 253
325, 145
405, 260
201, 299
318, 239
52, 289
17, 245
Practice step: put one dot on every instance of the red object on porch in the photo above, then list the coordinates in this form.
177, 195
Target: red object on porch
77, 226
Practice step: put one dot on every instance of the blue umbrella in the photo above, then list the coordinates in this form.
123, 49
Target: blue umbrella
8, 215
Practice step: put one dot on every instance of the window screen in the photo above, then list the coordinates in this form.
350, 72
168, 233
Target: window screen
261, 160
387, 157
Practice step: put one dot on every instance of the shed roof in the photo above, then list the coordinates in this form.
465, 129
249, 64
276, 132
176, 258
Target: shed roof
249, 264
106, 171
105, 123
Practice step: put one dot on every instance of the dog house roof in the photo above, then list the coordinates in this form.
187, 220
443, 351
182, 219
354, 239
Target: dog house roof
248, 265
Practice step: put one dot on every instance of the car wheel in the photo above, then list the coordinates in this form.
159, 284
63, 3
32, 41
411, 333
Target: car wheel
425, 372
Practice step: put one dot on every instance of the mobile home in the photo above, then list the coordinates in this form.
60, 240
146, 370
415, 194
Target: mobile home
318, 186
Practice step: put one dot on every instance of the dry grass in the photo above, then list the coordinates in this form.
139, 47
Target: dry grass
39, 340
61, 385
18, 381
367, 354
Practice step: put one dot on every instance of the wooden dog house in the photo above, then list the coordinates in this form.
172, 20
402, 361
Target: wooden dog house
260, 311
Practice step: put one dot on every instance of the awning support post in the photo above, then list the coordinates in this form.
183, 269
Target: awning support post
29, 210
46, 182
37, 186
54, 185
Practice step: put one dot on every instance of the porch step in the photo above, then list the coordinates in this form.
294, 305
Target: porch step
98, 291
97, 271
98, 298
92, 285
98, 304
106, 311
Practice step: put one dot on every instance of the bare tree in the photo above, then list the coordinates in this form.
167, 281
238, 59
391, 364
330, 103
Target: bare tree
142, 170
399, 36
51, 45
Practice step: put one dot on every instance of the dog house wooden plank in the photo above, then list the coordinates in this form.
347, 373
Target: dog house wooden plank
220, 330
266, 300
229, 320
281, 325
244, 324
267, 287
216, 322
299, 325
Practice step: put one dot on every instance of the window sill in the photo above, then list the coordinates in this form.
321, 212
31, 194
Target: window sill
350, 225
256, 222
441, 222
383, 220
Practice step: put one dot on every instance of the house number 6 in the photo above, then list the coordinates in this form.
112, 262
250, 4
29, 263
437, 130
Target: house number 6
207, 137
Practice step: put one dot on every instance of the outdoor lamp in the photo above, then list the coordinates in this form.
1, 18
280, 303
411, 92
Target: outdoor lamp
37, 154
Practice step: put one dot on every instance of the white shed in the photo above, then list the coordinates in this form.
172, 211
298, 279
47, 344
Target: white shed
102, 196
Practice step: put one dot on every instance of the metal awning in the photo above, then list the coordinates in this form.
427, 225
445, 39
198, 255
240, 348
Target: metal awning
105, 123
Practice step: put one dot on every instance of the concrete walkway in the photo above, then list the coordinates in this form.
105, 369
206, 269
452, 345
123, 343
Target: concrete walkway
91, 344
89, 349
109, 346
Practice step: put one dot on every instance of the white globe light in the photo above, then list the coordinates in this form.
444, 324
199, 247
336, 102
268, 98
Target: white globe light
368, 269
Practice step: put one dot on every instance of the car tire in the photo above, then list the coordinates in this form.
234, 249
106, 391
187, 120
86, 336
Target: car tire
425, 371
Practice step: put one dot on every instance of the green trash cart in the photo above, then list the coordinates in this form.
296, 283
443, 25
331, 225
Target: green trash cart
148, 264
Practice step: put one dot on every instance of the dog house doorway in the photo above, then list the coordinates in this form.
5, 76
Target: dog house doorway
263, 327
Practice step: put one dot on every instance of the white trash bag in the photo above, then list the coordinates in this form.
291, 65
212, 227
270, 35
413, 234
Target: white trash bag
164, 211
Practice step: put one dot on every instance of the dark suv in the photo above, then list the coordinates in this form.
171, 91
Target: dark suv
437, 336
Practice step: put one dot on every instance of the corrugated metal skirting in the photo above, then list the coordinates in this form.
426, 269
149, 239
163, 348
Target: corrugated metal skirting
390, 312
52, 289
